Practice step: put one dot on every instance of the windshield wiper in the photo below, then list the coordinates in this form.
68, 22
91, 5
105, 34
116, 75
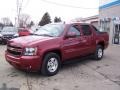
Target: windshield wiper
43, 35
46, 35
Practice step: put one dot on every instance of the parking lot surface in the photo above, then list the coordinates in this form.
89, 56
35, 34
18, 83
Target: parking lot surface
86, 74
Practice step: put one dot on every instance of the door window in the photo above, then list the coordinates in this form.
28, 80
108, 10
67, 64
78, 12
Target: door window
74, 29
86, 30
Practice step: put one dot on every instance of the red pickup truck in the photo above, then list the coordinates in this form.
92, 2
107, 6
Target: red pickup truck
53, 44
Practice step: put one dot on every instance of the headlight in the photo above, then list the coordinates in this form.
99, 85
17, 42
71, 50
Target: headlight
16, 35
30, 51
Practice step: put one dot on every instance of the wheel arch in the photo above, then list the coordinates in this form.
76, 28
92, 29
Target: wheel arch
57, 51
102, 43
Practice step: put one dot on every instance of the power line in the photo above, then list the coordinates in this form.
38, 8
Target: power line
65, 5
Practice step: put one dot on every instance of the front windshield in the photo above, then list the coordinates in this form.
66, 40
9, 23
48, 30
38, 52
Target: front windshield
53, 30
9, 29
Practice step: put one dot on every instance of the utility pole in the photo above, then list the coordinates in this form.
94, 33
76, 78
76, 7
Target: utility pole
19, 9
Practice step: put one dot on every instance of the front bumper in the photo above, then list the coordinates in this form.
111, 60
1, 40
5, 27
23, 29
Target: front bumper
27, 63
4, 40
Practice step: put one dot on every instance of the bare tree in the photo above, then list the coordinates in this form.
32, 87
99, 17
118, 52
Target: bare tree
30, 24
24, 20
6, 21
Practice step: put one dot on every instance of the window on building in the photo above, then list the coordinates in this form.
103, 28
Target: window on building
116, 34
105, 25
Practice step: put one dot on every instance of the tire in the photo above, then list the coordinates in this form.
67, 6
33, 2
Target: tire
4, 42
51, 64
98, 55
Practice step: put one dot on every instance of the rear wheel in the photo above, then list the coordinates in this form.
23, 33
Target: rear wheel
98, 53
51, 64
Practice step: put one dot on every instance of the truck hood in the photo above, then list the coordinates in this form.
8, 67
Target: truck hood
28, 40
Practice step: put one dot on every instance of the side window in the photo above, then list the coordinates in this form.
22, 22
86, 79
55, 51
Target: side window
74, 29
96, 30
86, 30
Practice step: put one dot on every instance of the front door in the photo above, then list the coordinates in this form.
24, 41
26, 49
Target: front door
71, 45
87, 36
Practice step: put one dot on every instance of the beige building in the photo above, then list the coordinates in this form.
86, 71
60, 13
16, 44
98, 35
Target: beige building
92, 20
109, 16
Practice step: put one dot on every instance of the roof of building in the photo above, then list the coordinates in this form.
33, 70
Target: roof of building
90, 18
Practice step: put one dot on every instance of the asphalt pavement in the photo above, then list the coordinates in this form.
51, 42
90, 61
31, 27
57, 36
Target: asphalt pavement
86, 74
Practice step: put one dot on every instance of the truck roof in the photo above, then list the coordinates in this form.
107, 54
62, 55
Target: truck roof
72, 23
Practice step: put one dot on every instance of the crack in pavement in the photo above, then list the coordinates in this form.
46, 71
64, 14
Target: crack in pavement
28, 83
105, 76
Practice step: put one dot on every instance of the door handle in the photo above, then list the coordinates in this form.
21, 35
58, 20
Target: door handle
83, 41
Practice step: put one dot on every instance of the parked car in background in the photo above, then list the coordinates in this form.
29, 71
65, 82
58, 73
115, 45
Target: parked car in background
53, 44
0, 29
23, 31
8, 33
0, 36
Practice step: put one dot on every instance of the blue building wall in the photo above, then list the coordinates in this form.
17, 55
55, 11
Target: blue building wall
110, 4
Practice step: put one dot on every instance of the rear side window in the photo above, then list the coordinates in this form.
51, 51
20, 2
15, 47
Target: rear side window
86, 30
96, 30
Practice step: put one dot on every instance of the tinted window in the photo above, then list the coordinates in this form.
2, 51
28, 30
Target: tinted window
97, 31
75, 30
86, 30
9, 30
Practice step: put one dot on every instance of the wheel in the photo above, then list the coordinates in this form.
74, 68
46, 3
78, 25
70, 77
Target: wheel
51, 64
98, 53
4, 43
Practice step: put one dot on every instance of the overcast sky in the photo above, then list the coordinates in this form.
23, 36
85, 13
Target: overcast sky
66, 9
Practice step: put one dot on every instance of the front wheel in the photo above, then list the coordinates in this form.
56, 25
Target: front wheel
51, 64
98, 53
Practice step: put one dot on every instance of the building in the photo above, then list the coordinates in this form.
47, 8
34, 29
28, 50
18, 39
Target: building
92, 20
109, 16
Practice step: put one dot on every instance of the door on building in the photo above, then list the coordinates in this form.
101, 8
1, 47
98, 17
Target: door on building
116, 34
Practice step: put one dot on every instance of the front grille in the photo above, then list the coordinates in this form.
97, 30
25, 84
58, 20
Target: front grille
17, 51
8, 37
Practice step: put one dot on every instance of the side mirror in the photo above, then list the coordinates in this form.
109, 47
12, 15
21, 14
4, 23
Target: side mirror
71, 35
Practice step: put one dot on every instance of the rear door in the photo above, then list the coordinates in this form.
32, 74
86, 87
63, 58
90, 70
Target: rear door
87, 38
